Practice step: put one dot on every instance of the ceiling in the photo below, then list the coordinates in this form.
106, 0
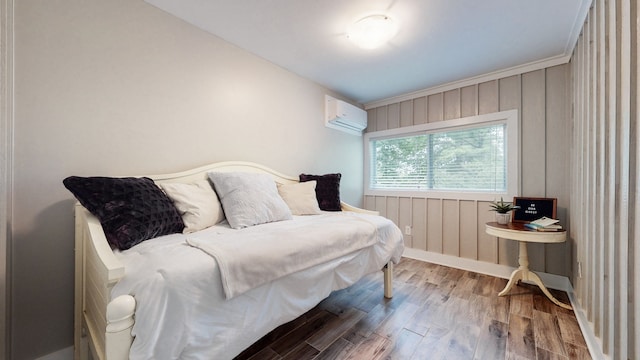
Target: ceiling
438, 42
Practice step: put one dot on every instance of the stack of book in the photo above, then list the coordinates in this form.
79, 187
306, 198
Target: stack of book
544, 224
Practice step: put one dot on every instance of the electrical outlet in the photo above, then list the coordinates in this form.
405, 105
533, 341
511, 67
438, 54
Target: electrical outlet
407, 230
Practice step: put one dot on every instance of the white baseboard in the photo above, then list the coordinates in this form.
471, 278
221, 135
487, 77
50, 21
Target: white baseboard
503, 271
593, 343
64, 354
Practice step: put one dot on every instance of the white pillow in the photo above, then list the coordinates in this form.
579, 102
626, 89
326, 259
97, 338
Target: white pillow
249, 198
197, 203
300, 197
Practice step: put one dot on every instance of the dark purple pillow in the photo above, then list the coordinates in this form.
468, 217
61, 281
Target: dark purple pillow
130, 210
327, 190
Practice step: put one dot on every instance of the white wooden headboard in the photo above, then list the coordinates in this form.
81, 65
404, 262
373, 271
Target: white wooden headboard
227, 166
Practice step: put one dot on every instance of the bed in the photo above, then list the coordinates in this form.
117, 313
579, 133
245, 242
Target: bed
168, 297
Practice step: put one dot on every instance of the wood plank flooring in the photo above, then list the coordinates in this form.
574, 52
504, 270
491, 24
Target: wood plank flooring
436, 313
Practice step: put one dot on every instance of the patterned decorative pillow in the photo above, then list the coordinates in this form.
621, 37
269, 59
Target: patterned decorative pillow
327, 190
130, 210
249, 198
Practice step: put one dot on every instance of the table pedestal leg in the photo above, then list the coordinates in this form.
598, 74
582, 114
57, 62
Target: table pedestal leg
523, 273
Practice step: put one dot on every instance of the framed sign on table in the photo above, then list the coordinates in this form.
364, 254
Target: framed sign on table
533, 208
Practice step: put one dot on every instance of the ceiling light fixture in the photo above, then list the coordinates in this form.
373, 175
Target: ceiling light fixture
372, 31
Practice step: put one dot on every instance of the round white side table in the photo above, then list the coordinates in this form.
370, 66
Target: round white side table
518, 232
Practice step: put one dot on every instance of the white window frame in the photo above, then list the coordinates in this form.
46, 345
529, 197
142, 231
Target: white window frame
509, 117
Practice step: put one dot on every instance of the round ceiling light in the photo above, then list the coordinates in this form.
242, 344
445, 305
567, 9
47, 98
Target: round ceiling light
372, 31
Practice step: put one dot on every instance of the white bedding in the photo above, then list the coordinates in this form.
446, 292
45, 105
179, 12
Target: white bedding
182, 312
256, 255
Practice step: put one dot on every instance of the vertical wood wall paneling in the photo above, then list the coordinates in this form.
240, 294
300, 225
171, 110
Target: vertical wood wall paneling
600, 177
392, 209
393, 118
509, 97
370, 202
404, 219
451, 227
469, 101
588, 241
533, 134
488, 97
576, 168
634, 278
557, 163
435, 104
381, 118
584, 166
469, 229
420, 110
488, 102
419, 221
406, 113
452, 104
381, 205
623, 34
510, 93
574, 146
608, 326
371, 120
534, 139
434, 225
487, 245
605, 167
591, 167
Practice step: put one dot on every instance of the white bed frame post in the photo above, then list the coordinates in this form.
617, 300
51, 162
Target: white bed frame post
120, 321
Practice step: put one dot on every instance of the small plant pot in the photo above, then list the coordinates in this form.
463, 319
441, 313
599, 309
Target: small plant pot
503, 218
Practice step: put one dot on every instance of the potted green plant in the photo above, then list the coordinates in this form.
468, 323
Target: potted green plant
503, 210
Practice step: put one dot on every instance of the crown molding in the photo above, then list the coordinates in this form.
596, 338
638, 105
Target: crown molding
516, 70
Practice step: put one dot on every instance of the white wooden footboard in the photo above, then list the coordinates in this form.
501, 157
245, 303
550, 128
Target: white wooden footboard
102, 328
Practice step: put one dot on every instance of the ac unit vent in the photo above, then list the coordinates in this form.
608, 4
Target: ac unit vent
343, 116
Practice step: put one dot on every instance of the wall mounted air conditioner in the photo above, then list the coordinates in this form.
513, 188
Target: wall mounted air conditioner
343, 116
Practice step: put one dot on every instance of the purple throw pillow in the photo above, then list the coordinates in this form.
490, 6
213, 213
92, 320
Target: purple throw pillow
130, 210
327, 190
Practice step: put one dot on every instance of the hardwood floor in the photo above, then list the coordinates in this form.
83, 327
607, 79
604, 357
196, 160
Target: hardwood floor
436, 313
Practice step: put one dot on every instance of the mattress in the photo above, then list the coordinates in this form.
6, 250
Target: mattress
182, 311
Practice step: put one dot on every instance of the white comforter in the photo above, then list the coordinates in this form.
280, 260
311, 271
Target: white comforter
256, 255
182, 311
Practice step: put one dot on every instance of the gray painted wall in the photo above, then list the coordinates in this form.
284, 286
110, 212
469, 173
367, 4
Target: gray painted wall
119, 87
6, 141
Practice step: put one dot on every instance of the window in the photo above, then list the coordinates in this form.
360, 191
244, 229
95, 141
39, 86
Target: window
473, 157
